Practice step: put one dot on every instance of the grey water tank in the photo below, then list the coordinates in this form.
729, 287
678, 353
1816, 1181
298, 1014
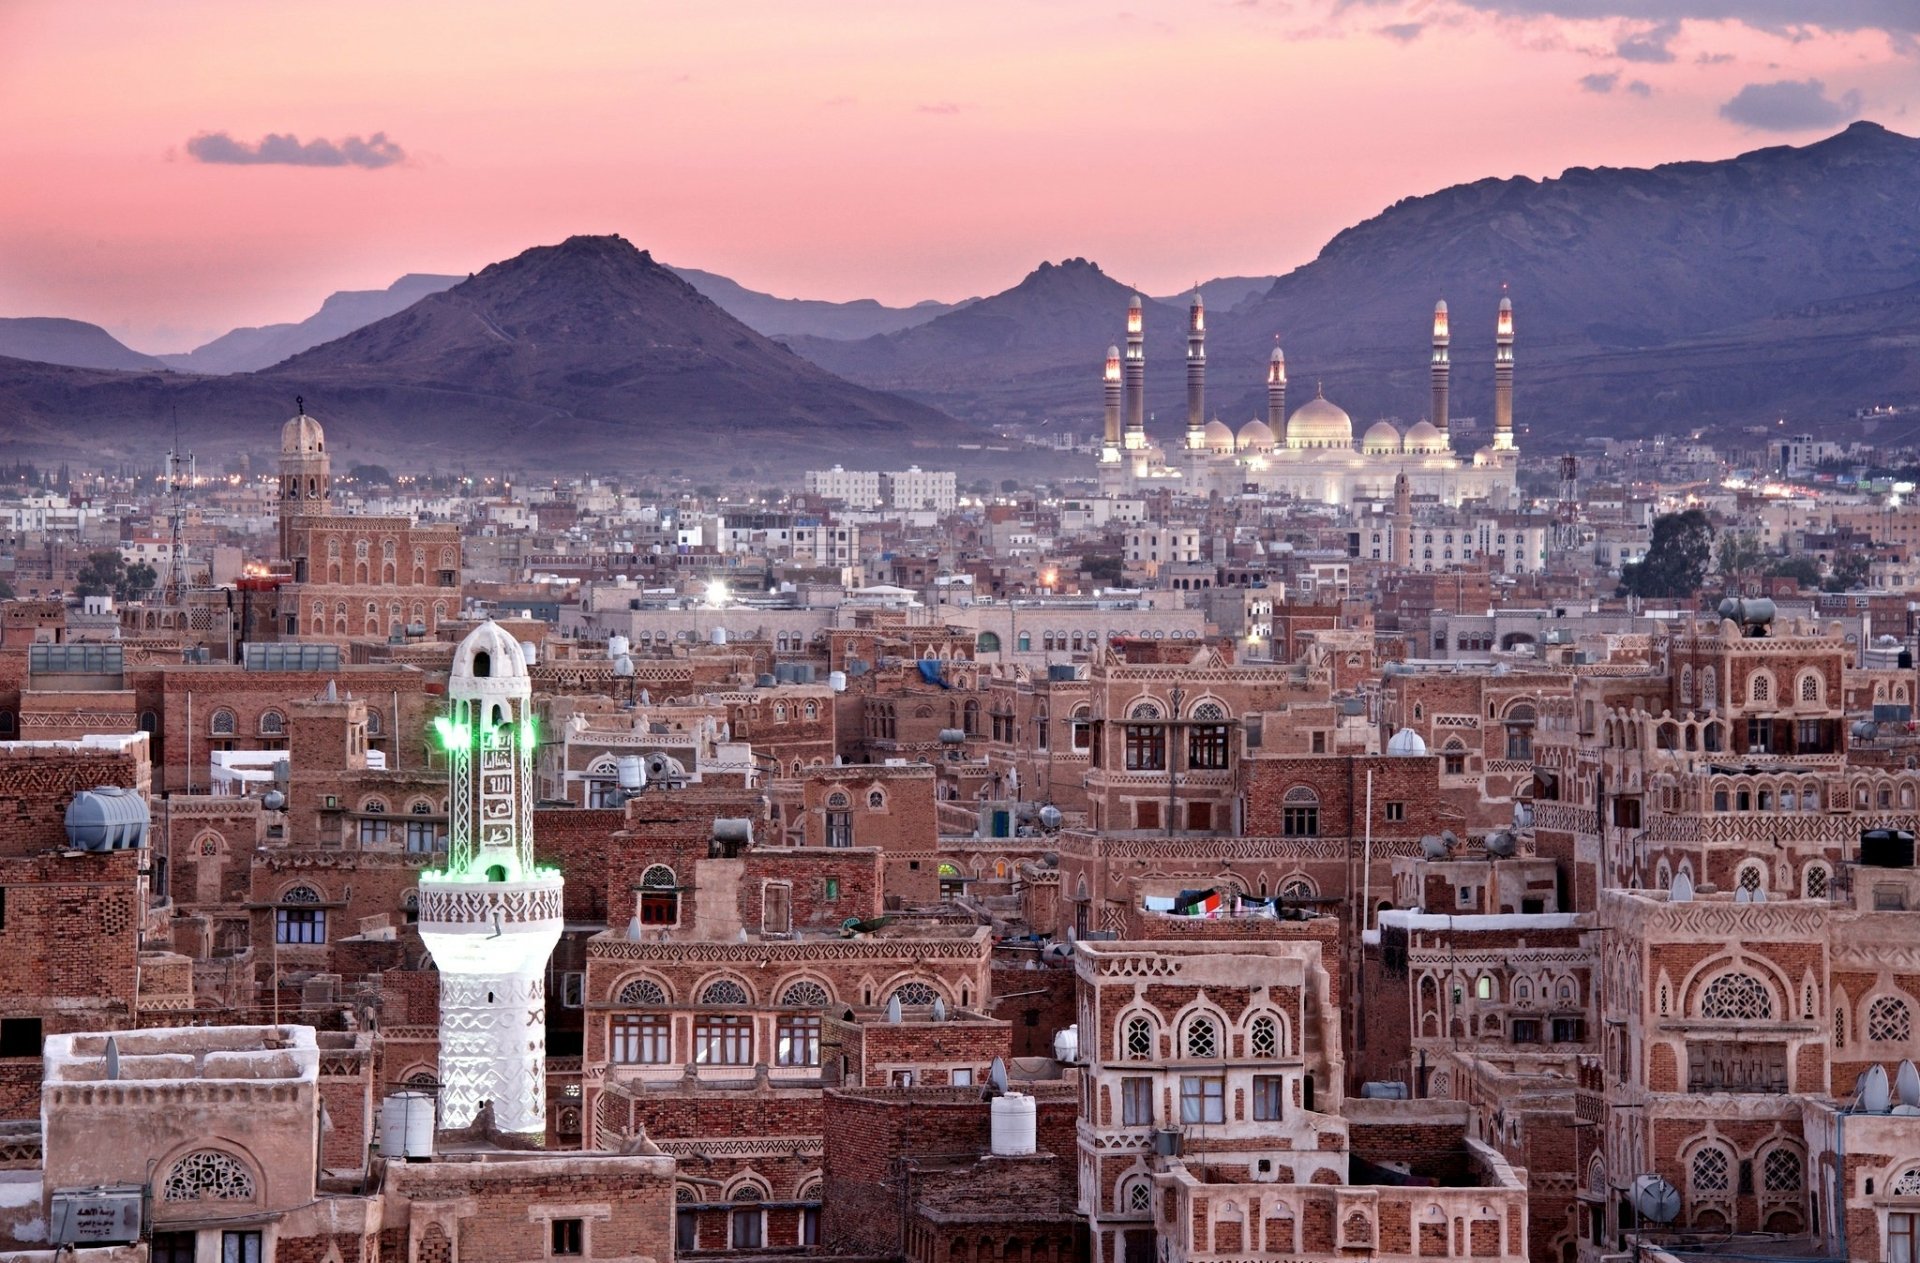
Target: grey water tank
107, 818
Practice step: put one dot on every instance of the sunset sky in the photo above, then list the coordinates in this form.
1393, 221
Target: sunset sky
173, 170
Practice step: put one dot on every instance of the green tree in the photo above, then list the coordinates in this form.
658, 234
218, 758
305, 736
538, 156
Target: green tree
1801, 568
107, 573
1676, 560
371, 476
1103, 570
1850, 570
1740, 552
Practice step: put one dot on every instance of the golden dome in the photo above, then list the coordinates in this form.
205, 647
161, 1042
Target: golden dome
1320, 423
1256, 436
1218, 437
1381, 439
1425, 439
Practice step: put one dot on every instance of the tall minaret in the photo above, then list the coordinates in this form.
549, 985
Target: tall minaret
1110, 379
1441, 367
1402, 548
306, 477
1503, 378
1136, 377
1277, 395
491, 919
1196, 373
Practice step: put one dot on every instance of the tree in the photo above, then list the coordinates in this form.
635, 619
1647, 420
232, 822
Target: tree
1676, 560
1801, 568
371, 476
1102, 570
6, 590
1741, 552
1850, 570
107, 572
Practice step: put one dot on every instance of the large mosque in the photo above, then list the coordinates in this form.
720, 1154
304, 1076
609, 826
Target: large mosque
1310, 455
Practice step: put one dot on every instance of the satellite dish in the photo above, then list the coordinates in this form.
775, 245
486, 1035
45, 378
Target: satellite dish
1760, 895
939, 1009
997, 1075
1654, 1199
893, 1011
1682, 890
1500, 843
1522, 816
1451, 838
1433, 848
113, 1058
1743, 895
1875, 1098
1905, 1111
1906, 1083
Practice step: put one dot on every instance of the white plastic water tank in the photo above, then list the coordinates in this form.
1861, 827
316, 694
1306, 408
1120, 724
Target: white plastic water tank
616, 645
718, 635
1016, 1123
632, 771
837, 681
1066, 1044
530, 652
406, 1125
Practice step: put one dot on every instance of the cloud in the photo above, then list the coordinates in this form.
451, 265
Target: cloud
1405, 32
1599, 82
1790, 105
274, 149
1711, 59
1648, 45
1777, 16
940, 107
1640, 87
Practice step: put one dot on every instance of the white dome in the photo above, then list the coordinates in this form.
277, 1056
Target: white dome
1217, 436
1407, 743
489, 653
1425, 439
1256, 436
1381, 439
301, 435
1319, 423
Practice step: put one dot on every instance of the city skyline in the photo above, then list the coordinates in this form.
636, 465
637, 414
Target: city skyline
250, 162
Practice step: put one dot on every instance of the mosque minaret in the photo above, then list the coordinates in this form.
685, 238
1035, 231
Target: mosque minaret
1503, 378
1441, 367
1196, 372
1135, 377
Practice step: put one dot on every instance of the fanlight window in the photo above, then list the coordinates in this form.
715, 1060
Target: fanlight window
301, 894
1263, 1040
1140, 1039
643, 991
1908, 1185
1809, 688
1781, 1171
1710, 1170
1144, 710
1139, 1196
222, 724
725, 991
1202, 1039
1889, 1021
208, 1175
272, 724
806, 995
1736, 996
915, 993
1760, 687
1209, 712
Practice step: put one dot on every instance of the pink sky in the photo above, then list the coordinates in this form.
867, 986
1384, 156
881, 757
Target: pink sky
864, 148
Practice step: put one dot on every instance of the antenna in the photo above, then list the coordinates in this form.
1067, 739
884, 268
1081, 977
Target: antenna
179, 479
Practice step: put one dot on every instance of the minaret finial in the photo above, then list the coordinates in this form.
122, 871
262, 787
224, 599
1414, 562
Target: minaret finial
300, 404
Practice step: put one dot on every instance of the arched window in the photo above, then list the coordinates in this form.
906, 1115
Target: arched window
1709, 1169
1139, 1046
1300, 813
1025, 642
272, 724
222, 724
1138, 1197
1889, 1021
1907, 1185
1752, 878
986, 642
1736, 996
1296, 888
970, 718
1144, 709
805, 995
1809, 692
1816, 881
876, 799
208, 1175
1263, 1037
915, 992
1686, 686
643, 991
1203, 1038
1781, 1171
1759, 687
724, 991
659, 896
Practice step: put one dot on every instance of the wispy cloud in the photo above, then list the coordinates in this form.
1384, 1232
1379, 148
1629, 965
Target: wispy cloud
1896, 17
275, 149
1649, 45
1404, 32
1790, 105
1640, 87
1599, 82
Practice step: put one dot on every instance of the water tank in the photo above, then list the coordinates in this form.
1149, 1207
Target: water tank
765, 680
107, 818
406, 1126
529, 652
1016, 1123
632, 771
718, 635
733, 829
952, 736
1066, 1044
616, 645
837, 681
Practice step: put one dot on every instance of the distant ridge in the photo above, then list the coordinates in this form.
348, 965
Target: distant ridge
53, 340
244, 350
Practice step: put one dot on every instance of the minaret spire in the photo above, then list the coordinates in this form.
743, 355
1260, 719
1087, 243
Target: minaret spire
1277, 391
1442, 368
1135, 376
1196, 372
1110, 381
1503, 378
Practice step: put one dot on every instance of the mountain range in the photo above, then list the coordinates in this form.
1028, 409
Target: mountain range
53, 340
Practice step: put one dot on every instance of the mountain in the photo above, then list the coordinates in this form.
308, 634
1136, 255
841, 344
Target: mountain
564, 356
1644, 299
808, 317
1021, 352
244, 350
52, 340
1222, 293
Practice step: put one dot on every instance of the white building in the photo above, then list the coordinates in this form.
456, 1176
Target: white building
855, 488
917, 488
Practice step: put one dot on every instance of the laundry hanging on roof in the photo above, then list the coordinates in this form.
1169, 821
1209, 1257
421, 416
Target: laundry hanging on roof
930, 671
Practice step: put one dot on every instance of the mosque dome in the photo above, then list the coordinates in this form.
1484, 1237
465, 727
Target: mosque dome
1425, 438
302, 435
1381, 439
489, 653
1256, 436
1406, 743
1217, 436
1320, 423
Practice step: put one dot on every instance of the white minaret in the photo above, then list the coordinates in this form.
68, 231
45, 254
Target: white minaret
491, 919
1503, 378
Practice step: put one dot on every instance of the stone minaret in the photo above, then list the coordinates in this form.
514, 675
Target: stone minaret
1442, 369
1196, 372
1277, 395
1136, 376
1110, 379
306, 475
1403, 523
1503, 378
491, 919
